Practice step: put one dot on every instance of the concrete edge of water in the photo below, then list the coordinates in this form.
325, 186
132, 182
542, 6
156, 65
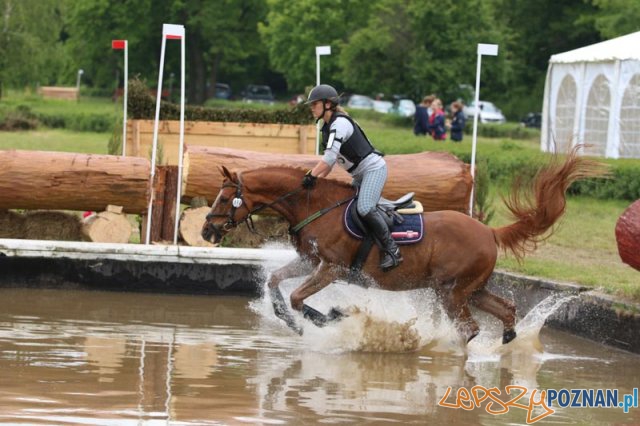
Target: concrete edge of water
591, 314
193, 270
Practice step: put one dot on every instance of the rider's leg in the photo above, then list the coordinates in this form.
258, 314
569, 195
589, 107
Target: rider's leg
370, 192
380, 230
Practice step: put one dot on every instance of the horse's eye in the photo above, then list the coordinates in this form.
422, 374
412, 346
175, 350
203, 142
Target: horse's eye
224, 200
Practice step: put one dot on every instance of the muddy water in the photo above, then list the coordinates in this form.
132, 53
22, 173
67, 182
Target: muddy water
79, 357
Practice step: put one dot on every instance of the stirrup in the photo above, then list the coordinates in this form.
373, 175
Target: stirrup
395, 261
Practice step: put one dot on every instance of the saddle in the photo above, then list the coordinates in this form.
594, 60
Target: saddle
403, 216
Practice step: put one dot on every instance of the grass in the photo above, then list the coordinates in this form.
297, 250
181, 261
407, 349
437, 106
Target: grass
85, 105
56, 140
582, 250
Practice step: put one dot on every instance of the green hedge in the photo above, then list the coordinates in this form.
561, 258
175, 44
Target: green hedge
141, 105
23, 118
20, 118
509, 161
506, 130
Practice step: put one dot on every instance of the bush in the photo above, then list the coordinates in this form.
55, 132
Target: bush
506, 130
624, 183
141, 105
19, 119
80, 122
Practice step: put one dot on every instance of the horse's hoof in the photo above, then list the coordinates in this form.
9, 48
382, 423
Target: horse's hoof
336, 314
508, 336
472, 336
316, 317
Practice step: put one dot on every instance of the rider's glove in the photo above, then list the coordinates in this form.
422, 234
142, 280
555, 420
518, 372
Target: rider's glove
309, 180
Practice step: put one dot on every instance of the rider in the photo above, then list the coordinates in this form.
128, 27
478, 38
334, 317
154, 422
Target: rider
344, 142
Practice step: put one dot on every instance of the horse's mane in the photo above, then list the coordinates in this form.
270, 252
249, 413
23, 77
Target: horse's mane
288, 169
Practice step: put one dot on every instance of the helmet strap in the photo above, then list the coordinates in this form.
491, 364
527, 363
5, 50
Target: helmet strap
325, 109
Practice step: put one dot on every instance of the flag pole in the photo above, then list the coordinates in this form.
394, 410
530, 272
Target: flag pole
181, 150
126, 84
155, 141
483, 49
123, 45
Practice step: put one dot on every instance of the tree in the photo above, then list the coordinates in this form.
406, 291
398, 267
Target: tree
617, 17
29, 32
294, 28
537, 31
220, 35
376, 58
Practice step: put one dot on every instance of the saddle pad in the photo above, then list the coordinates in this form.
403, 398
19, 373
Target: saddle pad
410, 231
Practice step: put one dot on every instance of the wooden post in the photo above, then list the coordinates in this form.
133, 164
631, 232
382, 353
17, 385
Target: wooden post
169, 213
302, 141
158, 204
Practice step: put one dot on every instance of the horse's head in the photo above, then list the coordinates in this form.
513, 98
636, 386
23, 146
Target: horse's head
228, 210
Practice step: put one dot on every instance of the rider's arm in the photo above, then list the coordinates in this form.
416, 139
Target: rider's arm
321, 169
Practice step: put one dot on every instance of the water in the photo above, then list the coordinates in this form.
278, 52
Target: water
80, 357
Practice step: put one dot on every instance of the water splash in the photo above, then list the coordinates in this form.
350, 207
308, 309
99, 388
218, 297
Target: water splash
383, 321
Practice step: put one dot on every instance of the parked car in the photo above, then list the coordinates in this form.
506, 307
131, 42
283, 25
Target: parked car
382, 106
533, 119
223, 91
489, 113
360, 102
403, 108
258, 94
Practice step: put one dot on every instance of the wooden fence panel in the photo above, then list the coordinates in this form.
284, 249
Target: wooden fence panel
272, 138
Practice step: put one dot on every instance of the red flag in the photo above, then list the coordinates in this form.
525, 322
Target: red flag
118, 44
173, 37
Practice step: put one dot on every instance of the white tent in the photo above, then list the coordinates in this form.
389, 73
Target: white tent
592, 96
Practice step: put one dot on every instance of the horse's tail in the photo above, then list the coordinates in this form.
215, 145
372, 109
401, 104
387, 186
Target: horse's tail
537, 208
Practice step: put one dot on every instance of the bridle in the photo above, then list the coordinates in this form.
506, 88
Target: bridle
238, 201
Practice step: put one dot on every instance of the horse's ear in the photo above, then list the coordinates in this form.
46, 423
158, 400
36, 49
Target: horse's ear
226, 173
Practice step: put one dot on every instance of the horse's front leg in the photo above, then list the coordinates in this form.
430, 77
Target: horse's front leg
324, 275
292, 269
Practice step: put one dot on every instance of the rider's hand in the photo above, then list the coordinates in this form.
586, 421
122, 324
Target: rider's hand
309, 180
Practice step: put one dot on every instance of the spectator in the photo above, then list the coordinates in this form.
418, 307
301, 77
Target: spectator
437, 121
458, 121
421, 117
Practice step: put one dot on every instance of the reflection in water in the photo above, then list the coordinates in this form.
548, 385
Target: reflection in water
108, 358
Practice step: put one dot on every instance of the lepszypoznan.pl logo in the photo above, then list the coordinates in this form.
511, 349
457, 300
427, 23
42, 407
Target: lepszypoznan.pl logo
537, 404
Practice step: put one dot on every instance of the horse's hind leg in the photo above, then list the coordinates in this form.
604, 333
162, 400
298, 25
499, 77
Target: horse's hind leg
455, 303
501, 308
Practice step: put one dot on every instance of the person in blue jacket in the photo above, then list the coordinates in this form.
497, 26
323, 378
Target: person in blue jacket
421, 117
458, 121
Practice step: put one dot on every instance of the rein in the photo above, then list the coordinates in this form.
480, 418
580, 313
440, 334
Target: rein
294, 230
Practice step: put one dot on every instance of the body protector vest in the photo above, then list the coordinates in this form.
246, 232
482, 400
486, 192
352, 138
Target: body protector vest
356, 148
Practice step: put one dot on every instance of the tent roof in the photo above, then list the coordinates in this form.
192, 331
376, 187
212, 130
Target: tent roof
620, 48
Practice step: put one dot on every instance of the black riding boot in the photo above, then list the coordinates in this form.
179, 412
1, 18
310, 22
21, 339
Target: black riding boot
376, 224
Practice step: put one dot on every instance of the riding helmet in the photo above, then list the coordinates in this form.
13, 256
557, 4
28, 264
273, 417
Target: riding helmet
323, 92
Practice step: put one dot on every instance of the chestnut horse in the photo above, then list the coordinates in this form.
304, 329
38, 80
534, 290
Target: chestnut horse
456, 257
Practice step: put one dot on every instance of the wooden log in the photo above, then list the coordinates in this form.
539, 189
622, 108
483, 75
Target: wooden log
65, 181
440, 180
109, 226
628, 235
191, 223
